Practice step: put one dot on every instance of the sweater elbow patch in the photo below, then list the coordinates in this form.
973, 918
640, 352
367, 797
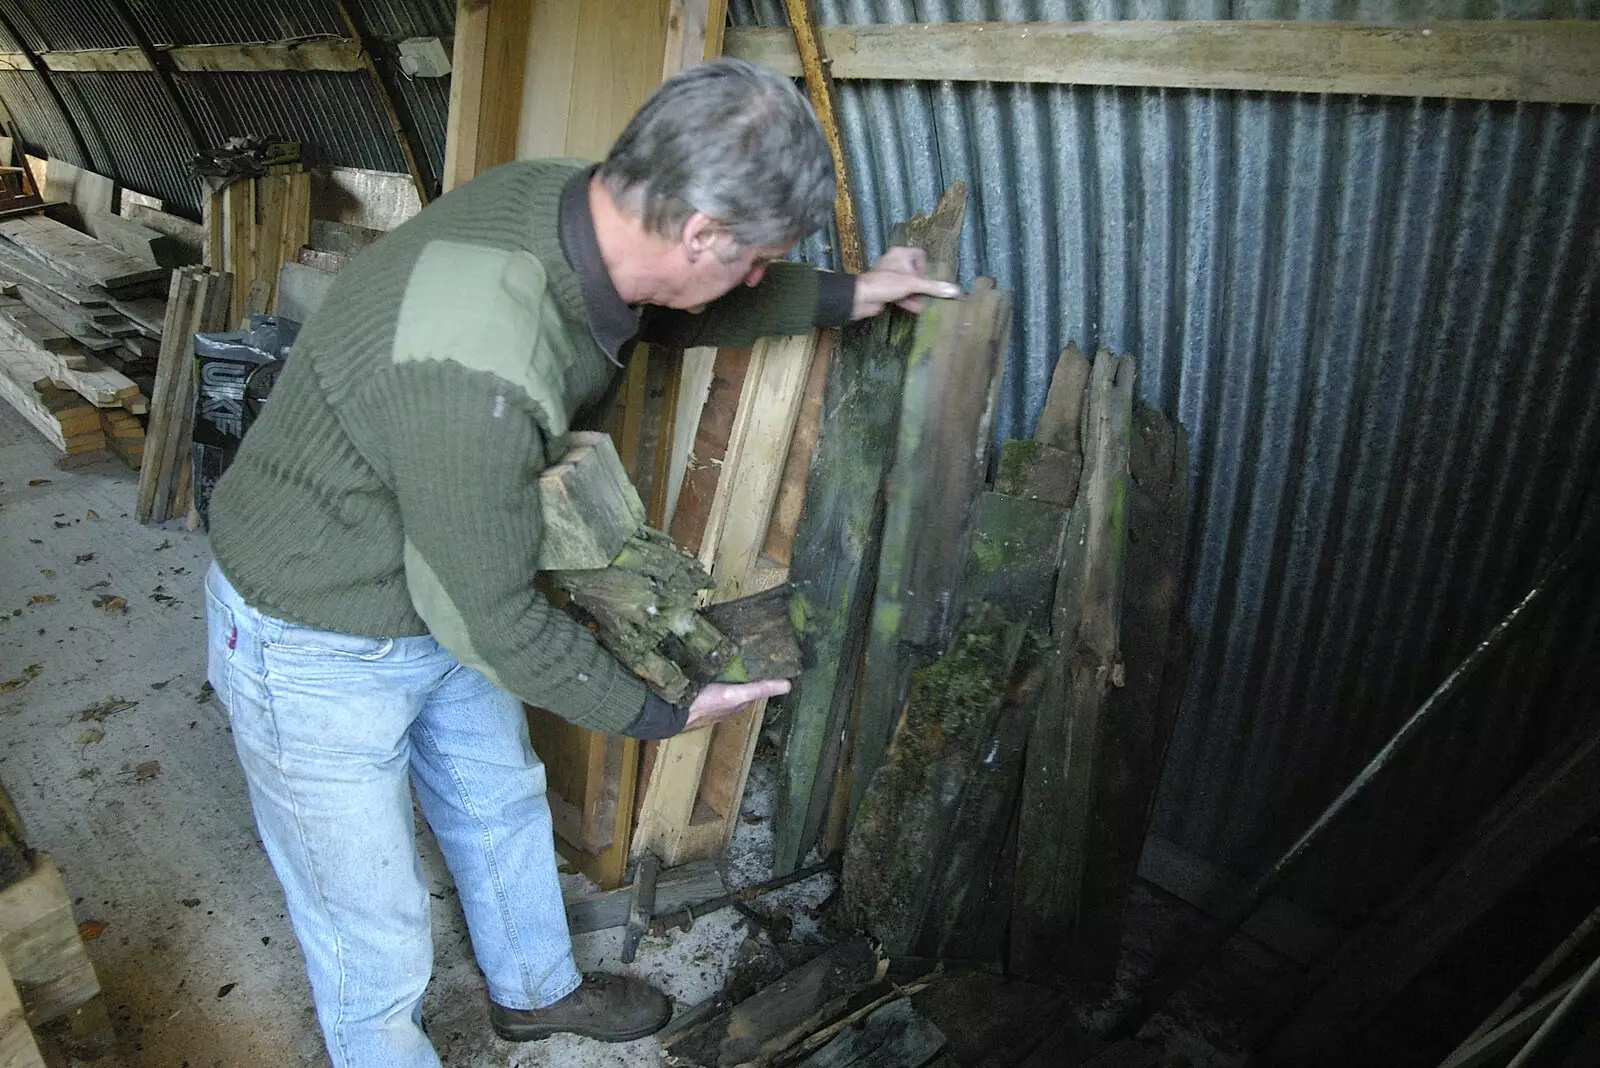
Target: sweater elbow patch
487, 309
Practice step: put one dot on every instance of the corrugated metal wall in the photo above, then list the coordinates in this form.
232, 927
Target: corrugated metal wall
1378, 318
131, 131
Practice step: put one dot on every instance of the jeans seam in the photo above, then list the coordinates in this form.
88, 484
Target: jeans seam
492, 859
311, 873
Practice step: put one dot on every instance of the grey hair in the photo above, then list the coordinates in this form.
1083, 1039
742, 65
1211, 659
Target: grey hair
730, 139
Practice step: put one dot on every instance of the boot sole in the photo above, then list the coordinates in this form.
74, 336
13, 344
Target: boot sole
536, 1033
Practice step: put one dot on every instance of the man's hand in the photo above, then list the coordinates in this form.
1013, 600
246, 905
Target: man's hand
898, 278
720, 700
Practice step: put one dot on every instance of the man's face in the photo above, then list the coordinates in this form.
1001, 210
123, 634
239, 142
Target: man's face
718, 265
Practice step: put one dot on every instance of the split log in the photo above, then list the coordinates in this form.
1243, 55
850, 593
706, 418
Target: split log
1059, 784
834, 562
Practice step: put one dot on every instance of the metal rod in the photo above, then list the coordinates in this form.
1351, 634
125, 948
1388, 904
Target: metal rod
161, 64
1579, 990
1164, 986
50, 86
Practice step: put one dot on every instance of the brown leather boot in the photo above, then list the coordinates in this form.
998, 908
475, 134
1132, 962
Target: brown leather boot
611, 1008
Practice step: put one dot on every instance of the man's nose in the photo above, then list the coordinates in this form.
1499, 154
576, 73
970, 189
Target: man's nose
755, 275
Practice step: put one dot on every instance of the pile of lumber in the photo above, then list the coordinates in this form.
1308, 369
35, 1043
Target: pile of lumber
253, 227
77, 316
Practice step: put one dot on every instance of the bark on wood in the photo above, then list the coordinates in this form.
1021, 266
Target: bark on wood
778, 1016
1547, 806
952, 386
1060, 782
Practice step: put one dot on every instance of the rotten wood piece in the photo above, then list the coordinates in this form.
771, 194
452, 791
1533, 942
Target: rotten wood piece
835, 558
763, 628
782, 1014
952, 387
1061, 778
1137, 722
590, 508
641, 905
894, 1036
898, 842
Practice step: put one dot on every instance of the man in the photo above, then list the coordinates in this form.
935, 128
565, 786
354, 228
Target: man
372, 612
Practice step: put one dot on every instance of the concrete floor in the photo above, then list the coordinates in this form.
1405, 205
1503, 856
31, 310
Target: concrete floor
124, 771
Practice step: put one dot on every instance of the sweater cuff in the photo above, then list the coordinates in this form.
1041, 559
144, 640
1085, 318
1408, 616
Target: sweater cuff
836, 297
658, 719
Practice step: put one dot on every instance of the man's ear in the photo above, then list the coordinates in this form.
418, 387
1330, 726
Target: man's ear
699, 235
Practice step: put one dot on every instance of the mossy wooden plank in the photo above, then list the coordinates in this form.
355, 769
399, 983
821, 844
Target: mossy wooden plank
898, 839
947, 409
1012, 563
1136, 723
835, 558
1035, 471
1059, 781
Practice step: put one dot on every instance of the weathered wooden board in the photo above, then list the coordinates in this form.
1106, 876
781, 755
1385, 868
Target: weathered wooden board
952, 385
835, 557
148, 246
91, 262
1136, 724
676, 890
1015, 547
895, 1036
1060, 782
898, 840
1546, 60
17, 1047
779, 1015
40, 946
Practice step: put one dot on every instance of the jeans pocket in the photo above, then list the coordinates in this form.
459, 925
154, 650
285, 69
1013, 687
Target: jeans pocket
296, 640
222, 642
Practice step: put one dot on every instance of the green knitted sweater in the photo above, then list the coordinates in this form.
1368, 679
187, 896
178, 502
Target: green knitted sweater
390, 487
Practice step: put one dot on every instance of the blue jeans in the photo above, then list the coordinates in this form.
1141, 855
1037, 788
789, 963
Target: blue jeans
332, 731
